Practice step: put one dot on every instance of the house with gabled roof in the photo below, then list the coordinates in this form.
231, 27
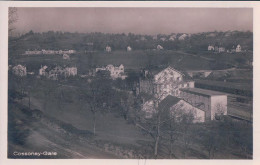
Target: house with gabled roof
164, 82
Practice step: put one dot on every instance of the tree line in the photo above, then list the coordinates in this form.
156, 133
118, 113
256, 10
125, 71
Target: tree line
194, 42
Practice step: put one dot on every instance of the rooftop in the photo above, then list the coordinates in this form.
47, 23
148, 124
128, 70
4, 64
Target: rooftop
204, 92
168, 102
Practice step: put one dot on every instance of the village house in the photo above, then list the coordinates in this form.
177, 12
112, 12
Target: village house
70, 71
212, 102
115, 72
183, 36
128, 49
159, 47
42, 70
172, 37
19, 70
54, 73
108, 49
210, 48
238, 48
217, 49
221, 49
65, 57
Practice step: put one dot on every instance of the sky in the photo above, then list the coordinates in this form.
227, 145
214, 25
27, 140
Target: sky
149, 21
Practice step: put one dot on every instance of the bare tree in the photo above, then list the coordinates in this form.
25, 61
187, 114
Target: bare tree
153, 125
12, 18
97, 95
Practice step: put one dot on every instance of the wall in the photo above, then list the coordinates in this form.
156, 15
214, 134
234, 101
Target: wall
183, 107
218, 105
199, 101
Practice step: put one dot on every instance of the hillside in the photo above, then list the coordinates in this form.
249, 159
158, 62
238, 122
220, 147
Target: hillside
78, 41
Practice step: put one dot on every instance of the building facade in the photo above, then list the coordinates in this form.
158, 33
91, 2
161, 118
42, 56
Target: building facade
166, 82
212, 102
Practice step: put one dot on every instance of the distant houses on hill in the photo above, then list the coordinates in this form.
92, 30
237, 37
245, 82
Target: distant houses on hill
220, 49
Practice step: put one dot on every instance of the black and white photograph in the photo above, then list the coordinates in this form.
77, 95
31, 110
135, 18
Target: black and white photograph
130, 83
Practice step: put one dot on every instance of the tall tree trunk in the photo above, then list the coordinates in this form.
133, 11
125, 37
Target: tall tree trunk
157, 137
171, 140
156, 146
29, 100
94, 123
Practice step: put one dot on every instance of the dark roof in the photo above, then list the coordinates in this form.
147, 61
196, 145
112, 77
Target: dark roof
168, 102
203, 92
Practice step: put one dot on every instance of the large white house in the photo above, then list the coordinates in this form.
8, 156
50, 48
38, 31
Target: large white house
164, 83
